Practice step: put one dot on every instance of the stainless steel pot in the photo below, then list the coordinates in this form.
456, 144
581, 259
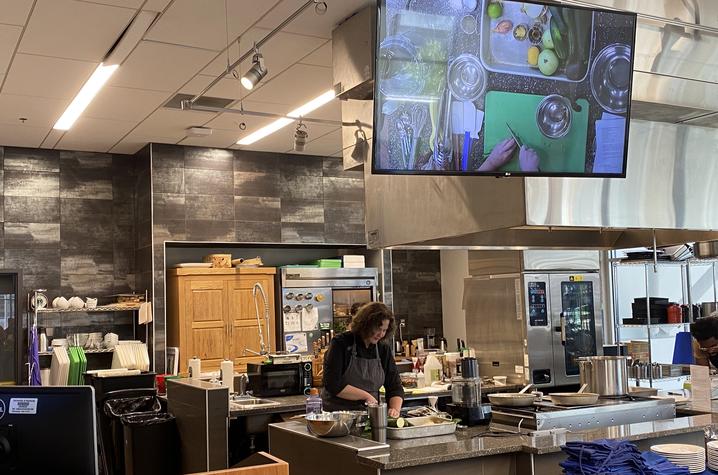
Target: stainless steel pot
605, 375
705, 249
707, 308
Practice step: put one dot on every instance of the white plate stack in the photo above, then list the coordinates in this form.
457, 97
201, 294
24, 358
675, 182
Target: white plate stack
683, 455
712, 446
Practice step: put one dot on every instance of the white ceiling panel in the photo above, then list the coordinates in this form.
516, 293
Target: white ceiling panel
330, 111
156, 5
8, 41
202, 23
295, 86
218, 139
160, 67
14, 12
283, 140
120, 103
39, 111
326, 145
171, 123
94, 134
280, 52
309, 23
42, 76
73, 29
135, 140
322, 56
53, 136
21, 135
229, 121
227, 87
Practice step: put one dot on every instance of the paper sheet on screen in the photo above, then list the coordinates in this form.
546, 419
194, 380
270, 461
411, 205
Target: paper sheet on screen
610, 136
296, 342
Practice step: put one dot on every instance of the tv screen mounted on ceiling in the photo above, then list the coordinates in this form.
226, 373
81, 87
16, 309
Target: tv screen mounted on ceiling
486, 87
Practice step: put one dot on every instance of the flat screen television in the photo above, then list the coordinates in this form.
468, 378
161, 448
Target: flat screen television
487, 87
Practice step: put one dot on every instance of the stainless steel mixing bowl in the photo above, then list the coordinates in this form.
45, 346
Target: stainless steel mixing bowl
554, 116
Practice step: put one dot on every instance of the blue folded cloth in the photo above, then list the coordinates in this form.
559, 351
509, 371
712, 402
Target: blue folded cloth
614, 457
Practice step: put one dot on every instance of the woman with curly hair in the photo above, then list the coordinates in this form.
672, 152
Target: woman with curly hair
360, 361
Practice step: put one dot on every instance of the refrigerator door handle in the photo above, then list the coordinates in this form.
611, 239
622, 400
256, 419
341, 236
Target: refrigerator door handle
562, 315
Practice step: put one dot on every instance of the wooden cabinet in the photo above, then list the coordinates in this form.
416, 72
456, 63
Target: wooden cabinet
211, 314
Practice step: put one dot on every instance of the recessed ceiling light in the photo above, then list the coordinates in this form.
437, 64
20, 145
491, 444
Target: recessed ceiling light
84, 97
278, 124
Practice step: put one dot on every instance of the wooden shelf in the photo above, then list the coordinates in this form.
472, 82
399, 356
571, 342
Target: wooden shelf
221, 270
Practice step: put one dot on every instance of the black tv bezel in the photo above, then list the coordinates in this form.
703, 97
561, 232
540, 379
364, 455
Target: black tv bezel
381, 4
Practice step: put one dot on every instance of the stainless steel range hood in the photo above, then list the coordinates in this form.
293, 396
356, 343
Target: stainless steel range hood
669, 188
672, 170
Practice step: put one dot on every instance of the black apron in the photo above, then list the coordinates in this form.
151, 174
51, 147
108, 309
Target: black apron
362, 373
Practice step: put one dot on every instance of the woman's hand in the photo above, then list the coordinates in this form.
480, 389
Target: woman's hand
499, 156
393, 412
370, 399
528, 160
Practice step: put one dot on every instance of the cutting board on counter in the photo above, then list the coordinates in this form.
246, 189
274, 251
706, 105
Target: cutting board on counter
564, 155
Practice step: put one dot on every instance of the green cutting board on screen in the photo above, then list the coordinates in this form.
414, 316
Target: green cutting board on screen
564, 155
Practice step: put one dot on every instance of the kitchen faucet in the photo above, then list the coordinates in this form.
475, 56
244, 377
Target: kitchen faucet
262, 345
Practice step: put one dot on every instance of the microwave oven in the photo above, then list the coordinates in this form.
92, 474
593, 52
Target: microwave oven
280, 379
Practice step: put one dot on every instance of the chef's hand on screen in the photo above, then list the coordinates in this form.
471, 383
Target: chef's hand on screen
499, 156
528, 160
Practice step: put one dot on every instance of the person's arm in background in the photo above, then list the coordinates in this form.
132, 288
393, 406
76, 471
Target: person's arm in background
699, 355
334, 363
392, 383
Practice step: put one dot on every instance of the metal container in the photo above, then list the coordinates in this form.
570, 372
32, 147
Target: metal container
331, 424
605, 375
705, 249
378, 418
708, 307
611, 78
554, 116
430, 426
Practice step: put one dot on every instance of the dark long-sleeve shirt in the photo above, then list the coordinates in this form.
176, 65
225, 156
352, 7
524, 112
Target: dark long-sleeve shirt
336, 362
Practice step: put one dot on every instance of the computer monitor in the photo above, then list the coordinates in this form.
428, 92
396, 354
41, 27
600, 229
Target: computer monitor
48, 430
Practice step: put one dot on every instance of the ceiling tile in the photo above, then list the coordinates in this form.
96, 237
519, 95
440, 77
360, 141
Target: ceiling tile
22, 135
227, 87
120, 103
330, 111
202, 24
283, 140
119, 3
280, 52
218, 139
8, 41
42, 76
134, 141
52, 138
73, 29
230, 121
327, 145
97, 135
39, 111
171, 123
160, 67
14, 12
297, 85
321, 56
156, 5
309, 23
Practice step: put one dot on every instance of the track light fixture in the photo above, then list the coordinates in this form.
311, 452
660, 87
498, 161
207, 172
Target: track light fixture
300, 137
256, 73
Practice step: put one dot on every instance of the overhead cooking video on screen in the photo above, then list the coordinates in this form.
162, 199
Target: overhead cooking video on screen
502, 87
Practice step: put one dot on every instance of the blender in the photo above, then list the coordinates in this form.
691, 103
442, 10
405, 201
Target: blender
466, 396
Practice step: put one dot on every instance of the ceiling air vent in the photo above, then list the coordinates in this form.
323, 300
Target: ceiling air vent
208, 101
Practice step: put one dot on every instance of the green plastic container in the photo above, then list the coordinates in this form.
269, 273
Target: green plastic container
332, 263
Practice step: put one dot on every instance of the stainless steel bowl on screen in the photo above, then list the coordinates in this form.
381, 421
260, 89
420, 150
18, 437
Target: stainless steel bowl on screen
611, 78
554, 116
400, 71
466, 77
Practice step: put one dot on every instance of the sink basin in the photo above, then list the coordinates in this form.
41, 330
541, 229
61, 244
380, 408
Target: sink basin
252, 402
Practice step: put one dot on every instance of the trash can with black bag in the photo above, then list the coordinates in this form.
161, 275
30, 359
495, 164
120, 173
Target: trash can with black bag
151, 444
117, 404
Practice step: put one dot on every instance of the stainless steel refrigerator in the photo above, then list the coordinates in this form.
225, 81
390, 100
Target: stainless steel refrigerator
317, 301
535, 323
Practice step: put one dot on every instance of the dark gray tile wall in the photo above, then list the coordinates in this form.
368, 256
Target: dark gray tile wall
416, 279
68, 224
216, 195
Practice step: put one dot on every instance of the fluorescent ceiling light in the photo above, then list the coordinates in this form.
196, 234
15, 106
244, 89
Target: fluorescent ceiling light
85, 96
278, 124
